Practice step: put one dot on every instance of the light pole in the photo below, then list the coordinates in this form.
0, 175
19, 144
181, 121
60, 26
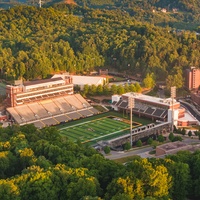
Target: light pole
131, 104
173, 95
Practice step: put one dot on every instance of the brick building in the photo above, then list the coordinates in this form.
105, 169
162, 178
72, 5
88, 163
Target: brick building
192, 78
46, 102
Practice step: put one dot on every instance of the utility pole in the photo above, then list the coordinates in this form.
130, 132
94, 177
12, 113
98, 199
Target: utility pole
173, 95
40, 3
131, 105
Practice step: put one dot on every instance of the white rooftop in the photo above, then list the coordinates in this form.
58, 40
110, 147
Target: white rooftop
188, 117
144, 97
83, 80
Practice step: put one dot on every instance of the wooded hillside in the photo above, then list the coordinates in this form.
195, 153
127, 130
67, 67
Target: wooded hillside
37, 42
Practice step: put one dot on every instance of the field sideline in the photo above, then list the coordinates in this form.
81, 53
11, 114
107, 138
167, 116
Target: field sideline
99, 127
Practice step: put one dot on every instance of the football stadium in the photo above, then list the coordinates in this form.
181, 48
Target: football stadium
52, 102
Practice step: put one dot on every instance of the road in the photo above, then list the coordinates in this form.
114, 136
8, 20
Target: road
143, 152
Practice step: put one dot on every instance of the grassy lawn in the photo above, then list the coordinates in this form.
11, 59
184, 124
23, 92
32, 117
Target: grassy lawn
99, 127
126, 159
2, 88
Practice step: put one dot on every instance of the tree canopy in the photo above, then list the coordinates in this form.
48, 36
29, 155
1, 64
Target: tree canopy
42, 164
38, 42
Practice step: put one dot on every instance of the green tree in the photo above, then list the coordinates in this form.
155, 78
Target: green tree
149, 81
120, 89
85, 89
132, 87
156, 180
113, 89
149, 141
106, 90
190, 133
106, 149
161, 138
127, 146
92, 89
183, 131
171, 137
99, 89
137, 87
9, 190
139, 143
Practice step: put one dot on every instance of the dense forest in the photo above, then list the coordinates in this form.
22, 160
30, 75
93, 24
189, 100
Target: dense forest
183, 14
36, 42
40, 164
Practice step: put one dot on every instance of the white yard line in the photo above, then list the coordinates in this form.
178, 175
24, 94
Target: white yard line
108, 134
75, 125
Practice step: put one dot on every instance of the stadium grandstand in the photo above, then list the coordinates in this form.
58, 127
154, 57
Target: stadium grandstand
157, 109
46, 102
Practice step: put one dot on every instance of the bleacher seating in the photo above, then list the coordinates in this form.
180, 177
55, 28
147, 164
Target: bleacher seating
164, 114
51, 107
93, 110
25, 112
39, 124
74, 115
149, 110
52, 111
62, 104
158, 112
82, 100
39, 110
49, 121
73, 101
123, 104
15, 115
61, 118
85, 113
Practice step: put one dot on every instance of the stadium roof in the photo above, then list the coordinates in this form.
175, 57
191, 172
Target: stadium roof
36, 82
147, 98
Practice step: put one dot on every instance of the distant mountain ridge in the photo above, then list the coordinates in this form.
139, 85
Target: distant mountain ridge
182, 5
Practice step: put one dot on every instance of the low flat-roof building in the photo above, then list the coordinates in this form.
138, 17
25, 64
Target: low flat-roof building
174, 147
81, 81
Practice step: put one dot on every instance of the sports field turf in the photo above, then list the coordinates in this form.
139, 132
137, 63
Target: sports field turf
98, 129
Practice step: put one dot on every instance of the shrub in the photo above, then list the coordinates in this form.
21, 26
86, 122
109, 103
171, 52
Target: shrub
177, 138
190, 133
149, 141
161, 138
171, 137
106, 150
139, 143
127, 146
183, 131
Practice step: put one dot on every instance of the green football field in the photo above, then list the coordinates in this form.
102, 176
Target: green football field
98, 129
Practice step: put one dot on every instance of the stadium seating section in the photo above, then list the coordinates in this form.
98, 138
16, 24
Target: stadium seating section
52, 111
143, 109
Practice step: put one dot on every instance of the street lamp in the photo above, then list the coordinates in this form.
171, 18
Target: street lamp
173, 95
131, 105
